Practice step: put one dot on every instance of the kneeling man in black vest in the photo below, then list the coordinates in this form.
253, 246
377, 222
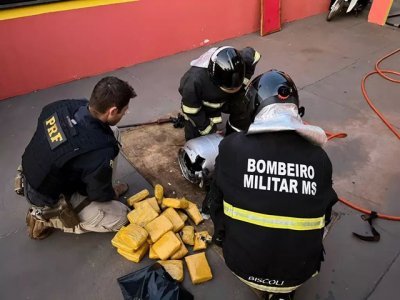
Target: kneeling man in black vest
67, 168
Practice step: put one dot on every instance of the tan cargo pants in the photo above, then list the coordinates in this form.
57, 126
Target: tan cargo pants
107, 216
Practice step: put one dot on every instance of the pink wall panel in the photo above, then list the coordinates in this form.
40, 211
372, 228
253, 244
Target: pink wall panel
270, 16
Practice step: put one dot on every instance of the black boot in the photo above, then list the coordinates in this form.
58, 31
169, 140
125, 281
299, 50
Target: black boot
218, 238
205, 206
37, 230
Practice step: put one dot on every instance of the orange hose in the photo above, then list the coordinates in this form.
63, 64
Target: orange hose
339, 135
380, 115
368, 212
331, 135
382, 72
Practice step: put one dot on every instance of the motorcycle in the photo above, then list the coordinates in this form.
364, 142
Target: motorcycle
338, 6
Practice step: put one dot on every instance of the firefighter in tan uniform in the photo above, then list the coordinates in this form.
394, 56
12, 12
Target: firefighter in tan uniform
274, 192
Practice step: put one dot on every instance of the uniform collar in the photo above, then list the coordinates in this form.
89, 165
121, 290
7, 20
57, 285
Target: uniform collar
204, 59
84, 117
284, 117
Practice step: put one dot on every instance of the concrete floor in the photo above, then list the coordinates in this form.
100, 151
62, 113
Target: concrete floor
327, 61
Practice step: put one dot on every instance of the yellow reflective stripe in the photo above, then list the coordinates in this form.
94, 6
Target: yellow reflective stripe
213, 105
207, 130
209, 127
216, 120
190, 110
257, 57
246, 81
272, 221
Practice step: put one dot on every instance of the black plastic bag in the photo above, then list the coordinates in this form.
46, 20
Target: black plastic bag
152, 283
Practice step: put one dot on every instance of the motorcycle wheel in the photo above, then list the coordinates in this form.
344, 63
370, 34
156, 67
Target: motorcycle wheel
335, 9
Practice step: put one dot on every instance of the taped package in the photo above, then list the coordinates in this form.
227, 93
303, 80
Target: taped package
187, 235
198, 267
119, 243
200, 240
158, 227
142, 215
130, 238
175, 203
152, 201
182, 251
174, 268
159, 193
167, 245
135, 256
183, 216
194, 213
143, 194
175, 219
152, 253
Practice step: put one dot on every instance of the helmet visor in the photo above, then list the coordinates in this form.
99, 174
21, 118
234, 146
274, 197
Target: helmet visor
232, 78
227, 68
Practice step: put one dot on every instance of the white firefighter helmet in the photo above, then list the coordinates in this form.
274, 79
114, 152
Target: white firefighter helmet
197, 158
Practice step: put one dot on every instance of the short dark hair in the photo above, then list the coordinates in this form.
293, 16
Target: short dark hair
111, 91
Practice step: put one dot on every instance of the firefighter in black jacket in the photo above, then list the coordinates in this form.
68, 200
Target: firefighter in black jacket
69, 162
214, 84
274, 192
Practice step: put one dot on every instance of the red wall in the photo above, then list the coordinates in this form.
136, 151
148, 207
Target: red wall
299, 9
44, 50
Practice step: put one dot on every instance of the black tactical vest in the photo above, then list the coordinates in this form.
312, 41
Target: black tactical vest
59, 138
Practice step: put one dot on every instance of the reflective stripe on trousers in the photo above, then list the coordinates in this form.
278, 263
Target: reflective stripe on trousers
216, 120
207, 129
213, 105
273, 221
